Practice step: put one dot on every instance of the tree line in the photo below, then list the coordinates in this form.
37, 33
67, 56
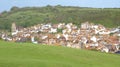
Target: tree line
29, 16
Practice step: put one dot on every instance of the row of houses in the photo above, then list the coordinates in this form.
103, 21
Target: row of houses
87, 36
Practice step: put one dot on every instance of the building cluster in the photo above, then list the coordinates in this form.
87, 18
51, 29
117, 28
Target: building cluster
88, 36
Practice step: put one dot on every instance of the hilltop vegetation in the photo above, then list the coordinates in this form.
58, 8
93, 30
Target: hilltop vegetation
29, 16
31, 55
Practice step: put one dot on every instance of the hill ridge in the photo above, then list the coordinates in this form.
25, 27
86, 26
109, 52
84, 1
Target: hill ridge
29, 16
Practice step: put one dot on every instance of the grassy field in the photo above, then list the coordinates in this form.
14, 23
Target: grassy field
32, 55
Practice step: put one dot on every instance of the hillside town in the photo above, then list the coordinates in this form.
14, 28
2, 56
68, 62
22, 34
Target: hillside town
85, 36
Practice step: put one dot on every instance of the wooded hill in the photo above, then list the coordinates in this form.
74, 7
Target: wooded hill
28, 16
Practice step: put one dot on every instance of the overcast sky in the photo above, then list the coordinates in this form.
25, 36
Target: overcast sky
7, 4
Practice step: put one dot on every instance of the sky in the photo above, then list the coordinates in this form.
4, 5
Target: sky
5, 5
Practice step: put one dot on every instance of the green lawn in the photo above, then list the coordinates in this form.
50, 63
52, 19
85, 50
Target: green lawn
32, 55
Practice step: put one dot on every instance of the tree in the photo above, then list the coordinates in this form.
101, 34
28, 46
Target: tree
4, 12
58, 6
14, 8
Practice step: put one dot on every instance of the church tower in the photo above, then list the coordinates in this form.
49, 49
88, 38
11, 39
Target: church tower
13, 27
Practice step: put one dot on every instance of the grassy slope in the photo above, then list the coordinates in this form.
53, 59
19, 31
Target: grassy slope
29, 55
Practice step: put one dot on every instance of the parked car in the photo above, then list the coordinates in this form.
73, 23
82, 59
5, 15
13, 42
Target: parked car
118, 52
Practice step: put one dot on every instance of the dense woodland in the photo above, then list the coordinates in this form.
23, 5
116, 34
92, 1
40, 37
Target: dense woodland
28, 16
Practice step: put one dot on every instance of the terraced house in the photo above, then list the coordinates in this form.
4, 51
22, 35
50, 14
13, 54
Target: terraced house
88, 36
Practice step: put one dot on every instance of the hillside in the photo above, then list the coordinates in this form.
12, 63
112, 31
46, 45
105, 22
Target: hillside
30, 55
29, 16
